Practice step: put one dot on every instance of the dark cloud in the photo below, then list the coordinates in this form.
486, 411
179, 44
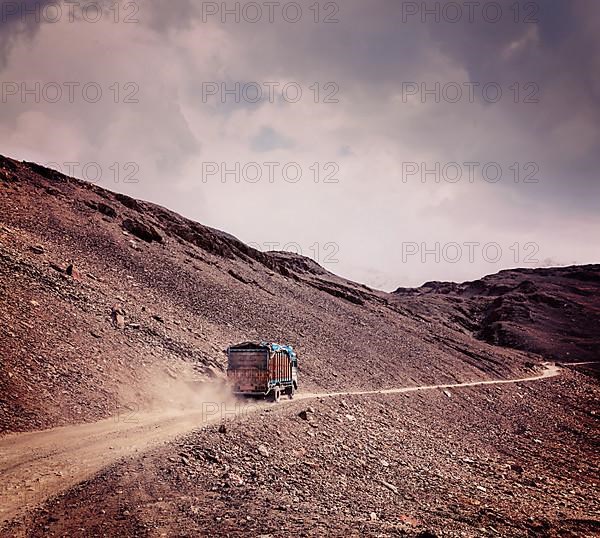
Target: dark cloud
17, 22
369, 54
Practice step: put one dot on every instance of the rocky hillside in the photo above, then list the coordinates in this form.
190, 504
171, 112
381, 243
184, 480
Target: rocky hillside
553, 312
104, 297
109, 305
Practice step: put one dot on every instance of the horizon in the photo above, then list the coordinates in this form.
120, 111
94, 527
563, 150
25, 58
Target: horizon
394, 289
392, 143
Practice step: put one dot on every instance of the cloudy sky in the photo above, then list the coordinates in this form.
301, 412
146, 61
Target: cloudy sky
395, 142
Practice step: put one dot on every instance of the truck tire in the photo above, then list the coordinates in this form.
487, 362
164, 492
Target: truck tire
290, 392
276, 394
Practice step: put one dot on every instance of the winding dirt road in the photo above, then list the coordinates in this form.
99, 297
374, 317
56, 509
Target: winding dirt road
550, 370
38, 465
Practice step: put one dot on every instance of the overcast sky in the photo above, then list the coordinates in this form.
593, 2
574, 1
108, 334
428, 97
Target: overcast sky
435, 140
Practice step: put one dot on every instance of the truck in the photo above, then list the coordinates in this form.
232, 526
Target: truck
262, 370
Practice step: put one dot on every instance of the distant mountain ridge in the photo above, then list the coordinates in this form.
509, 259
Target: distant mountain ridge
554, 312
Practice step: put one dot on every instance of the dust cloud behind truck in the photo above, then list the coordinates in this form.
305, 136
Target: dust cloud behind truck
262, 369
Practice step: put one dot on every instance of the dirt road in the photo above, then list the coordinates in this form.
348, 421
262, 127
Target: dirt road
38, 465
550, 370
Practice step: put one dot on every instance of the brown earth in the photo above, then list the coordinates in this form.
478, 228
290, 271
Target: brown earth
117, 309
84, 449
492, 460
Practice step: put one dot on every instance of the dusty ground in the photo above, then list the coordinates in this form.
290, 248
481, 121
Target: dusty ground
114, 314
29, 462
489, 460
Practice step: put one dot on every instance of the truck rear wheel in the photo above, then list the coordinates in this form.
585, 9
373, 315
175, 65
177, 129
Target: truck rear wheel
290, 392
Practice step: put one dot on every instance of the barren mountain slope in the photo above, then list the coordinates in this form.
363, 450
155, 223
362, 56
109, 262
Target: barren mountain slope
141, 317
554, 312
187, 291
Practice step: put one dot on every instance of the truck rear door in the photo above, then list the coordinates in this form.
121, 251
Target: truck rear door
248, 370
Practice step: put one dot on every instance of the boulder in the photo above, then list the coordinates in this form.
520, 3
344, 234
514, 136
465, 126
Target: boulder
118, 316
73, 272
142, 231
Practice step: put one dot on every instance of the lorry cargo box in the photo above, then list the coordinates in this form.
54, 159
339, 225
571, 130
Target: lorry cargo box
262, 369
